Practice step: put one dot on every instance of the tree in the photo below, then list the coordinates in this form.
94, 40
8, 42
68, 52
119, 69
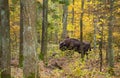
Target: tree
21, 35
64, 20
5, 40
81, 28
101, 44
100, 17
29, 39
95, 20
43, 54
73, 13
110, 49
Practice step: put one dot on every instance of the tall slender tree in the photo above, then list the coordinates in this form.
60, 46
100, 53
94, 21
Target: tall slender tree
43, 54
0, 38
110, 49
30, 68
73, 13
100, 17
21, 35
95, 20
5, 40
95, 28
81, 28
101, 45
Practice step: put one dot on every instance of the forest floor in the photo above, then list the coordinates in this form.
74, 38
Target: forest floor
70, 66
66, 67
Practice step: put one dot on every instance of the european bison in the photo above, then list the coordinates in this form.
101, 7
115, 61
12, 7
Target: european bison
74, 44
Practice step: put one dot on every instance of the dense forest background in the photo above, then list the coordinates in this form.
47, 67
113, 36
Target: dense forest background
31, 31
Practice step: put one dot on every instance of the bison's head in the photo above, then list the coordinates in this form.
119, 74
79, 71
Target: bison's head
63, 46
67, 44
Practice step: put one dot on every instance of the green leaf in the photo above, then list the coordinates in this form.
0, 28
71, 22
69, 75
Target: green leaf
61, 1
14, 1
55, 16
66, 2
54, 1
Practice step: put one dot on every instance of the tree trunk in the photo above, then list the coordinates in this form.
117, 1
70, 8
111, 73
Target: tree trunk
21, 36
56, 36
81, 28
73, 14
0, 38
30, 61
64, 21
95, 21
43, 54
100, 48
5, 40
110, 49
101, 36
95, 29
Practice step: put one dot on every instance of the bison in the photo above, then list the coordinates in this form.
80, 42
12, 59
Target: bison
75, 44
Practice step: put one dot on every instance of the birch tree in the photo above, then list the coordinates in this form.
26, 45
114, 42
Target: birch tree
29, 39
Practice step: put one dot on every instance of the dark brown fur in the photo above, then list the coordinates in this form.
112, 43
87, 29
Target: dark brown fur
74, 44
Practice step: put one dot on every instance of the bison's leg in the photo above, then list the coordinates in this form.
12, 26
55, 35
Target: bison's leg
86, 54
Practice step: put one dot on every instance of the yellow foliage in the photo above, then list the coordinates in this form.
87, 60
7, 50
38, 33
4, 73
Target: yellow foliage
40, 1
116, 34
70, 27
87, 24
116, 37
15, 28
70, 7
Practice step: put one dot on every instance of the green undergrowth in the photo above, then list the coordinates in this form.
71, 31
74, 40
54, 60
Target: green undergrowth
73, 66
76, 68
79, 69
